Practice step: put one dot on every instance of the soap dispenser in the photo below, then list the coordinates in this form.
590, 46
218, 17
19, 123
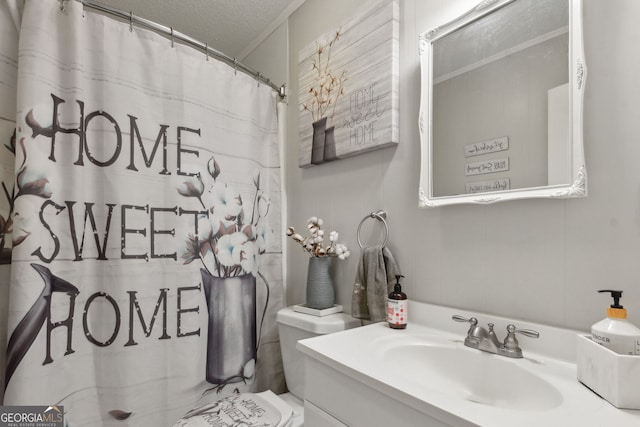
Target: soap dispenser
397, 306
616, 332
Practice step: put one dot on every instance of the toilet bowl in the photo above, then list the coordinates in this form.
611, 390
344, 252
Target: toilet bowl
288, 408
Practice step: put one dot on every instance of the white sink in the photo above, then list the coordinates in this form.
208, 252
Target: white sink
424, 375
473, 375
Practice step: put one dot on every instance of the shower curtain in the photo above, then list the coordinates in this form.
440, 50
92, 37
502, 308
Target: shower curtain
140, 217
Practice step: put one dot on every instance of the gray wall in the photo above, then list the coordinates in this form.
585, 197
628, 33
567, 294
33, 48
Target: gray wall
539, 260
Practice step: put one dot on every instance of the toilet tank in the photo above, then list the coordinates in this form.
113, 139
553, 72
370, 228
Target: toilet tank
294, 326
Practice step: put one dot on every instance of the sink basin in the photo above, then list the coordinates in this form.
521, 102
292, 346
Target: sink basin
473, 375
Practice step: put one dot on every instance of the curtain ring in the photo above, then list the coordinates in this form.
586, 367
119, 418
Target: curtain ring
171, 36
63, 5
130, 21
206, 50
258, 77
235, 66
380, 215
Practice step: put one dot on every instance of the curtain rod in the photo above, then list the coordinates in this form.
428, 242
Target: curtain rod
176, 35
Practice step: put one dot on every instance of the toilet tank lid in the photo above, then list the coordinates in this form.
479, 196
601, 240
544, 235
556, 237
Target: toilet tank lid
316, 324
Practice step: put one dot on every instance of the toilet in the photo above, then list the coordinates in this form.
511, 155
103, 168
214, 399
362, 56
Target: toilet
293, 327
284, 410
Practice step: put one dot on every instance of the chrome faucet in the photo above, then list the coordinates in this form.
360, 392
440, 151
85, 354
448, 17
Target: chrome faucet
486, 340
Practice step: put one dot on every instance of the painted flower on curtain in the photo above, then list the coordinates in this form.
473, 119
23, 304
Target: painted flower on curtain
230, 234
28, 182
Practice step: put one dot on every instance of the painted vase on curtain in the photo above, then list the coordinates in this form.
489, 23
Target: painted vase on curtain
320, 292
231, 336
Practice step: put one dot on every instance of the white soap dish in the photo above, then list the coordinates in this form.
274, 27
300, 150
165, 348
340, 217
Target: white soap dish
302, 308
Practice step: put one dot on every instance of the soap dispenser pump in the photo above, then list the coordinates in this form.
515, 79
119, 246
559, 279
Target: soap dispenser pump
616, 332
397, 306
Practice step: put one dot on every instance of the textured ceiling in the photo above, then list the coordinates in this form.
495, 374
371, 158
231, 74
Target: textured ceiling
233, 27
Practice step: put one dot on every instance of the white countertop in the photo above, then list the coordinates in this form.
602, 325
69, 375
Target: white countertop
365, 354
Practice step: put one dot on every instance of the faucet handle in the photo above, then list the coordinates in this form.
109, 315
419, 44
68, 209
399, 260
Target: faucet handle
473, 324
511, 345
459, 318
511, 329
471, 320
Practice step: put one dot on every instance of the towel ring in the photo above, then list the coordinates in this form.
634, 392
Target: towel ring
381, 216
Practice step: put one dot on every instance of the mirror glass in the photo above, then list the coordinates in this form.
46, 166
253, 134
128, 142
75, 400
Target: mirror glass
501, 104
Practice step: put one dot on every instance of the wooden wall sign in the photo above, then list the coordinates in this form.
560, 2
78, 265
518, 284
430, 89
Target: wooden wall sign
348, 87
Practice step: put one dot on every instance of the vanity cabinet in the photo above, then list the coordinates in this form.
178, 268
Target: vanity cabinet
335, 397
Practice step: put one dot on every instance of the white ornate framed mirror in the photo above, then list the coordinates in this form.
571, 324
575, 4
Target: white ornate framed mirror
501, 104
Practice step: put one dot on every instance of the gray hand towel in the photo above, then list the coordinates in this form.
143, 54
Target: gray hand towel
375, 278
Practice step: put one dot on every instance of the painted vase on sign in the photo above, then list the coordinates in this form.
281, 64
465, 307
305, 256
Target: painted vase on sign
330, 144
318, 141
